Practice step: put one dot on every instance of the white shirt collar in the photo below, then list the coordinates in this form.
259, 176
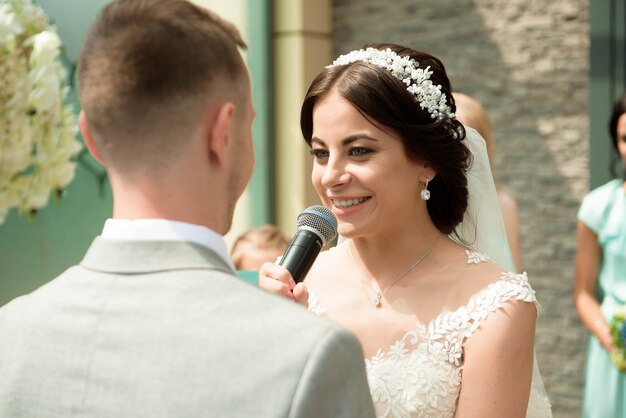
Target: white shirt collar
165, 230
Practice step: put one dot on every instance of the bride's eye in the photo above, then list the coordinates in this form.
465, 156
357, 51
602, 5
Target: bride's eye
319, 153
360, 151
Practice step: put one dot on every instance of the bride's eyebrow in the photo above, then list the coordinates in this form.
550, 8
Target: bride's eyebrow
346, 141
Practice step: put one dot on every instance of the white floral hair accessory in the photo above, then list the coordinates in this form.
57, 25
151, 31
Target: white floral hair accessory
405, 69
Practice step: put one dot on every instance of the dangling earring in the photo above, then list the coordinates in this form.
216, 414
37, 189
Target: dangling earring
425, 193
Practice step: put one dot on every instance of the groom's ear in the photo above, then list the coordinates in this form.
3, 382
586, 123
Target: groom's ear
218, 131
86, 132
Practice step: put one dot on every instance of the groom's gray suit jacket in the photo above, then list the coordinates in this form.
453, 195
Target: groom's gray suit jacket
164, 329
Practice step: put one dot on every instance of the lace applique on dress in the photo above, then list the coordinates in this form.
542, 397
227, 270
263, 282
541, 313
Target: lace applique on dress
474, 257
415, 377
420, 374
314, 304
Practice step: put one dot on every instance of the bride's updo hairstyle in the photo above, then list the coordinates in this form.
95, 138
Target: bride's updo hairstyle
423, 118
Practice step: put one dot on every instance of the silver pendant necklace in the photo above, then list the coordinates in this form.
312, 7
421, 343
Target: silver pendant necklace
378, 293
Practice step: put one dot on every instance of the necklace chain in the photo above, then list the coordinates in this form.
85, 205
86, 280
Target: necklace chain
379, 292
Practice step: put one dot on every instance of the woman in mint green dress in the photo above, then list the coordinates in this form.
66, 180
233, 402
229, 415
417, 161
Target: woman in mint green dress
600, 280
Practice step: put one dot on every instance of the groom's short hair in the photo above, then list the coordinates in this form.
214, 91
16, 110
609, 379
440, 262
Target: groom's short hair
148, 70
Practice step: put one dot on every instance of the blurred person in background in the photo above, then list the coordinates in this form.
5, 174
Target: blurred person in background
600, 280
258, 245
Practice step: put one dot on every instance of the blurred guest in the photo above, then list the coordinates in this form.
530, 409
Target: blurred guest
600, 280
258, 245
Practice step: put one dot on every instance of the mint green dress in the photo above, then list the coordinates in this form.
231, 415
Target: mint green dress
604, 211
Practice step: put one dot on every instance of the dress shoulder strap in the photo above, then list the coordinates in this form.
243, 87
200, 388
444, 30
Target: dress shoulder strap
510, 286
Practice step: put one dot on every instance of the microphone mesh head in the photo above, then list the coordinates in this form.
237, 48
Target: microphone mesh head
320, 219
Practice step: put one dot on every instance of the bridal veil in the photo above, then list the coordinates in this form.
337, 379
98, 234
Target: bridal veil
483, 230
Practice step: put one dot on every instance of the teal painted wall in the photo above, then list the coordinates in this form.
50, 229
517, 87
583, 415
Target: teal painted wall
607, 81
261, 187
32, 253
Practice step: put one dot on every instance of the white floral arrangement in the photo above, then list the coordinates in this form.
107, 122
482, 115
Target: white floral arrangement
406, 69
37, 130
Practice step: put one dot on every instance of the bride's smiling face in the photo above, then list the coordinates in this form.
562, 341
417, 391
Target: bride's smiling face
362, 172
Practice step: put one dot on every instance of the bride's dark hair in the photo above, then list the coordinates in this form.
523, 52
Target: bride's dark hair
384, 100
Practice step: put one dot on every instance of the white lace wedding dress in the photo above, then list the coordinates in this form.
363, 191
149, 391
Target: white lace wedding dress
420, 374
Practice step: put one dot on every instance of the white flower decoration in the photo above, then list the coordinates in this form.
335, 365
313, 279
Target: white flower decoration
37, 131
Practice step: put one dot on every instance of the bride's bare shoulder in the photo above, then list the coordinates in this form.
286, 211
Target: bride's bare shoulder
473, 271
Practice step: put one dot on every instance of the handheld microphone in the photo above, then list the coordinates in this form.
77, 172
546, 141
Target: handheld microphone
316, 227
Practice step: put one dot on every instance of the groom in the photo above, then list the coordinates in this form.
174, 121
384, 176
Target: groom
153, 321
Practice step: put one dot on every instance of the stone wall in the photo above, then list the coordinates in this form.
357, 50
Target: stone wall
527, 62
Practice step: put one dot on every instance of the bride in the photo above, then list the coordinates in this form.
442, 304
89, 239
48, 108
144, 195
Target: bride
423, 276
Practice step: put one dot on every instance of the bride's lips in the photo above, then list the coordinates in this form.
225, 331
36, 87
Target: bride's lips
345, 206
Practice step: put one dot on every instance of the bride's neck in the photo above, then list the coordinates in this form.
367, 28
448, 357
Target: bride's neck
387, 252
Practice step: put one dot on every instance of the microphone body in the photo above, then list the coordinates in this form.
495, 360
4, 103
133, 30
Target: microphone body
301, 252
316, 226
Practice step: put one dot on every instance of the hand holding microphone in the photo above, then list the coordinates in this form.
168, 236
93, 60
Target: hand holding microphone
316, 226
